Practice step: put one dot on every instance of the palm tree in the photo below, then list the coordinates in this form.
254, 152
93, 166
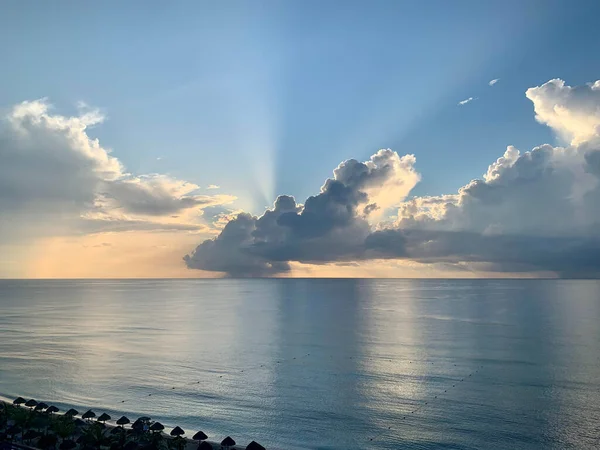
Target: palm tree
94, 436
179, 441
63, 427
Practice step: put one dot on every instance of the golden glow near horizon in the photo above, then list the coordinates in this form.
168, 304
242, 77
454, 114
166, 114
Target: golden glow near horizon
159, 255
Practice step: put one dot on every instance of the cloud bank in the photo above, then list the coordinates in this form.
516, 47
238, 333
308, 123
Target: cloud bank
533, 211
56, 180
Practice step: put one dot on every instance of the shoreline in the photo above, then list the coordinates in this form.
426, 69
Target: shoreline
190, 444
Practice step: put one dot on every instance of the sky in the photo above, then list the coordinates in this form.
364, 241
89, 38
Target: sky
270, 138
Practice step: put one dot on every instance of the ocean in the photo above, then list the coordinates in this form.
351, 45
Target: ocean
317, 364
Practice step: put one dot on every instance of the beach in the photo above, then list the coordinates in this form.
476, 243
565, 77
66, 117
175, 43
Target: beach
109, 428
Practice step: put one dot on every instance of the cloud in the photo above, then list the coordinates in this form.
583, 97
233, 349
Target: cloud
573, 112
465, 101
56, 180
329, 226
494, 81
531, 212
156, 195
213, 186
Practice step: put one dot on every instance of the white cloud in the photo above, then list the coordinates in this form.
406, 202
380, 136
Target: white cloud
465, 101
534, 211
213, 186
573, 112
55, 179
494, 81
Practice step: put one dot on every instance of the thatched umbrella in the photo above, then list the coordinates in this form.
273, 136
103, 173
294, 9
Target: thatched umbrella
138, 425
67, 445
71, 413
228, 442
89, 414
254, 446
157, 427
30, 403
103, 417
200, 436
19, 401
122, 421
177, 432
205, 446
52, 409
40, 406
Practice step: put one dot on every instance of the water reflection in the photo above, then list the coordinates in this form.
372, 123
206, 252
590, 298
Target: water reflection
327, 364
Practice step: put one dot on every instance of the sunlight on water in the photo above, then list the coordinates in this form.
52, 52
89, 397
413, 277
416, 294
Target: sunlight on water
327, 364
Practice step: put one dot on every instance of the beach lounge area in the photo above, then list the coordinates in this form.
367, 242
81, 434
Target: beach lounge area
32, 424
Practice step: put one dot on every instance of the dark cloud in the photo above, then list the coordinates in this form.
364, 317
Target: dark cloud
536, 211
230, 252
153, 196
330, 226
566, 256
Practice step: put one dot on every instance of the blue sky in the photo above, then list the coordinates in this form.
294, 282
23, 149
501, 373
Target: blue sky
209, 87
264, 98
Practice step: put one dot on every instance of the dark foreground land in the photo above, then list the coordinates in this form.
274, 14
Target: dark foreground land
29, 424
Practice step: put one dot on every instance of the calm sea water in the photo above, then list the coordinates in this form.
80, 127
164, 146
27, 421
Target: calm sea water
317, 364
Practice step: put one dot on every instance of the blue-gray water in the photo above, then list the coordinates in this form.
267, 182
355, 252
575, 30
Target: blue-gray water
320, 364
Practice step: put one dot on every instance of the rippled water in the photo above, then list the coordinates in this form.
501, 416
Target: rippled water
320, 364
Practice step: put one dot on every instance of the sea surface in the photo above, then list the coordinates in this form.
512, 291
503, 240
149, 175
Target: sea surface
317, 364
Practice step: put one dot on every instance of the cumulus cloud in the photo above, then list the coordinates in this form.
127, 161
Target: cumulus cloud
55, 179
465, 101
329, 226
213, 186
533, 211
573, 112
494, 81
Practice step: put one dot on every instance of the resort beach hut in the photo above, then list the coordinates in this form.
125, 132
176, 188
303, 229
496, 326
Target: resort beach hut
254, 446
177, 431
71, 413
123, 421
40, 406
200, 436
228, 442
52, 409
157, 427
31, 403
103, 417
89, 414
19, 401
